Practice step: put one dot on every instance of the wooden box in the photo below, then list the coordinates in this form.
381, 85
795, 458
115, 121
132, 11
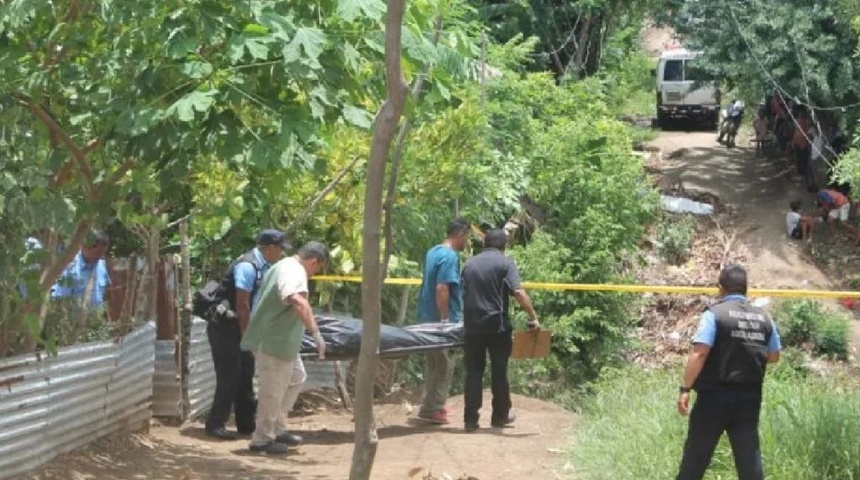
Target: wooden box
531, 344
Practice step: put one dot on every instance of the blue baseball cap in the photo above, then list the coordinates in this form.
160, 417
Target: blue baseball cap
271, 236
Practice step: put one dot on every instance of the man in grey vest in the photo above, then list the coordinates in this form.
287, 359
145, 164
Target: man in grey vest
726, 367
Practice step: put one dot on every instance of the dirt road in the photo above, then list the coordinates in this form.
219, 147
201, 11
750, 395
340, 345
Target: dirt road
761, 190
407, 450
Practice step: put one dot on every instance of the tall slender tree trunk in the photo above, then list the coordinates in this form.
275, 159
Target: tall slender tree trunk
397, 156
371, 286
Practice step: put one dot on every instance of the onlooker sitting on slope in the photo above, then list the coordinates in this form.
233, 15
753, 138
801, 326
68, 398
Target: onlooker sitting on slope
797, 225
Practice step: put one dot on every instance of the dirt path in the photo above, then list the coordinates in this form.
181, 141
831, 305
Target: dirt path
407, 450
761, 189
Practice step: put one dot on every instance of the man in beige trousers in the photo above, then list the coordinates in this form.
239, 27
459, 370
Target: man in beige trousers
274, 334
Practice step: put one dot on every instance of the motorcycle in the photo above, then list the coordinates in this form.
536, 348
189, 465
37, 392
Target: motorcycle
731, 122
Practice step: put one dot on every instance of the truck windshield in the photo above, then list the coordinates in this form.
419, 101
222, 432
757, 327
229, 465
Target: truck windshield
693, 73
673, 71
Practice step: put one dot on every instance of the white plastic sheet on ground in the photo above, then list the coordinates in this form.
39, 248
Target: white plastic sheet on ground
685, 205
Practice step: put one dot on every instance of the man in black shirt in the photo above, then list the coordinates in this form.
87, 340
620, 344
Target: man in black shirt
735, 342
489, 279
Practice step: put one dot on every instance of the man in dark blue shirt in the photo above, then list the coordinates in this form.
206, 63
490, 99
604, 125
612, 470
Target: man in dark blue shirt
441, 301
489, 280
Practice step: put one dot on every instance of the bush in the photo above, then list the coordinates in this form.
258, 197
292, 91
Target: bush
630, 429
797, 320
675, 238
805, 323
589, 329
831, 337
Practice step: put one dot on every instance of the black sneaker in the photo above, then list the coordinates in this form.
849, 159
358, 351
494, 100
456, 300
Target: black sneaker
289, 439
471, 427
222, 434
507, 422
271, 448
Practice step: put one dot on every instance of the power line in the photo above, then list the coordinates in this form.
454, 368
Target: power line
777, 87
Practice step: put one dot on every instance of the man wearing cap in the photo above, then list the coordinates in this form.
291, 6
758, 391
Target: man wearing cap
234, 368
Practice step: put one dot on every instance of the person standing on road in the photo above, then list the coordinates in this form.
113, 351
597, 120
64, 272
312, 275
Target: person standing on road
802, 149
489, 279
726, 367
275, 334
234, 368
441, 301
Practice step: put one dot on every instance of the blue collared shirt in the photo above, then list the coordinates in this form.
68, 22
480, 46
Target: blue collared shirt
707, 332
32, 244
73, 282
245, 275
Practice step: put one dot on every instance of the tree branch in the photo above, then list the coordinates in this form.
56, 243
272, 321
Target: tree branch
97, 142
117, 175
42, 114
320, 196
397, 155
52, 272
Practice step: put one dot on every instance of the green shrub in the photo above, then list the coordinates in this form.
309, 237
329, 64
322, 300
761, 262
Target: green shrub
630, 429
797, 319
675, 237
805, 323
590, 330
793, 363
831, 337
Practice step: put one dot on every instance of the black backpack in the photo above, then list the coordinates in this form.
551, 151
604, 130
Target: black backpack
214, 293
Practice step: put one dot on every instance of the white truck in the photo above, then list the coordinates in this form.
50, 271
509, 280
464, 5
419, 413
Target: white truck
684, 91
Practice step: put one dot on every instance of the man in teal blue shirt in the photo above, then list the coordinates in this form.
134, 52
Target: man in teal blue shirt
441, 301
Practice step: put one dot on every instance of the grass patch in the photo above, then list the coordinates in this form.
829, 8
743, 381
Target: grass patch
630, 429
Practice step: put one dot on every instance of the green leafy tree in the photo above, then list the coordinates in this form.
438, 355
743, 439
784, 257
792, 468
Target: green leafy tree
571, 35
804, 49
147, 113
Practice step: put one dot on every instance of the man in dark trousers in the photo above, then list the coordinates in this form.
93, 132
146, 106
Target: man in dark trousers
726, 367
234, 368
489, 280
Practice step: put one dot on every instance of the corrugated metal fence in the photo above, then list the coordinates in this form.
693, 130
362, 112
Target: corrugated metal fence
166, 393
201, 371
52, 405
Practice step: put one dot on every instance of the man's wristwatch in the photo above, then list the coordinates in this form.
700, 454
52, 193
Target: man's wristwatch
683, 389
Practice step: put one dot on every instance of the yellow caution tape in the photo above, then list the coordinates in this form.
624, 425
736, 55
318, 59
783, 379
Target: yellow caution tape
621, 288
